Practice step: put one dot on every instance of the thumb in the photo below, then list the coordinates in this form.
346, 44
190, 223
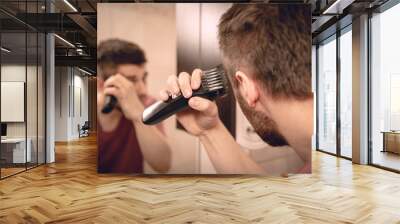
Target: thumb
203, 105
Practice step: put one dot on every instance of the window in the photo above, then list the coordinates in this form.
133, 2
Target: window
346, 92
335, 74
385, 89
327, 95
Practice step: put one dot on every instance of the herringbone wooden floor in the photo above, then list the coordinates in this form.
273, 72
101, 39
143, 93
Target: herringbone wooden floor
71, 191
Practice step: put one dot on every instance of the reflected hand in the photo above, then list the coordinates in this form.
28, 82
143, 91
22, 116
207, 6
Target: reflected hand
123, 89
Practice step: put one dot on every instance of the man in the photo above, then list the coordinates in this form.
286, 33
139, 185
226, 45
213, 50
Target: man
266, 53
124, 142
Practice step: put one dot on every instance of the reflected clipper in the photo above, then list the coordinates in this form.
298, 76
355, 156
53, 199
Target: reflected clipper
109, 104
213, 85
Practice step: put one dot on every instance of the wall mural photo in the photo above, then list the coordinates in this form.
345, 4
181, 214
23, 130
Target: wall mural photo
204, 88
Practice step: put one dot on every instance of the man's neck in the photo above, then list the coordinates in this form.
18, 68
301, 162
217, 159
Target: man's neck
294, 119
110, 121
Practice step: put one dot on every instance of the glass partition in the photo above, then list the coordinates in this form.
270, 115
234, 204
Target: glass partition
31, 97
22, 88
13, 94
327, 95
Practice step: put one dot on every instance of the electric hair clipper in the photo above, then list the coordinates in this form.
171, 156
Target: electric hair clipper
213, 85
109, 104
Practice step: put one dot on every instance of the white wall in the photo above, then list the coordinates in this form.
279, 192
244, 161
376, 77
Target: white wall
80, 96
68, 82
12, 73
61, 103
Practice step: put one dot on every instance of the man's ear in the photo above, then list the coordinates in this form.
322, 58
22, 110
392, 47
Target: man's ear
247, 88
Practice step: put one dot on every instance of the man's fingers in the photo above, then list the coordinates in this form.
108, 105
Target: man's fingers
112, 91
118, 81
195, 80
184, 84
172, 86
203, 105
122, 81
164, 95
111, 81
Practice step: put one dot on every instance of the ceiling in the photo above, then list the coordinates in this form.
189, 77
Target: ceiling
76, 22
72, 20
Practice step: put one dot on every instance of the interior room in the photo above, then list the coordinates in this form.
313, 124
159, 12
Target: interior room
49, 153
335, 90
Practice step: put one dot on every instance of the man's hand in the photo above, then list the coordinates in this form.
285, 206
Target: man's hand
124, 90
202, 114
100, 95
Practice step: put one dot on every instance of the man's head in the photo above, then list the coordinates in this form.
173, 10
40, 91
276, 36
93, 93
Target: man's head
266, 52
123, 57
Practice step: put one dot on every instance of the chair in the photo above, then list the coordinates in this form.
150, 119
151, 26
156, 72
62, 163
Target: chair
84, 130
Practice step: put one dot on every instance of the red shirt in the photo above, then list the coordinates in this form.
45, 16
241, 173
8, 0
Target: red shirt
119, 150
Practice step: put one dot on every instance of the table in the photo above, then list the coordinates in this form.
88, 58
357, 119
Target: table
391, 141
13, 150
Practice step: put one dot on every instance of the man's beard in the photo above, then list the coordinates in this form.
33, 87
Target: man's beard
264, 126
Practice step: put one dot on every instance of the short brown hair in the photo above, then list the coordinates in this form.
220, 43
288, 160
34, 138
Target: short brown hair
114, 52
273, 42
